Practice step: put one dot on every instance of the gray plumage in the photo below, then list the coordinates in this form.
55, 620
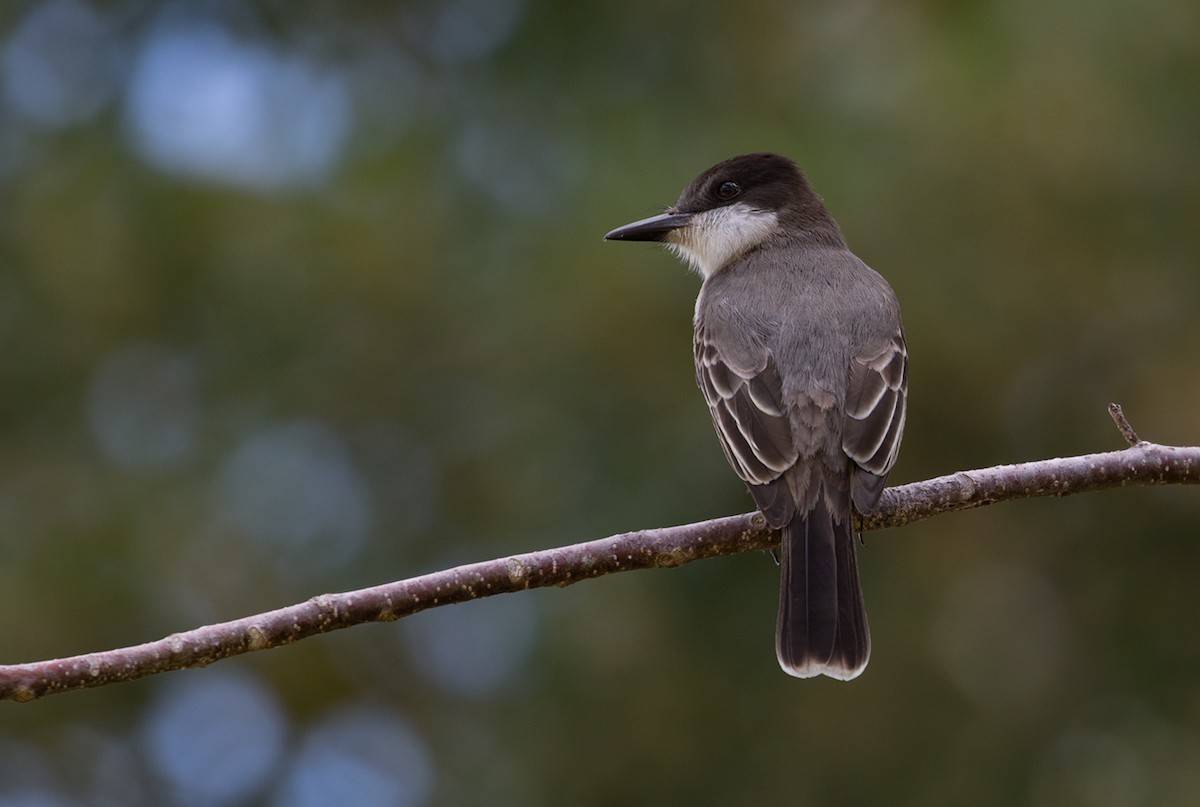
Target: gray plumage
801, 358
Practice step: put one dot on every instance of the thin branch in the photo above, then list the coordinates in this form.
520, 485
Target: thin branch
1118, 415
1141, 464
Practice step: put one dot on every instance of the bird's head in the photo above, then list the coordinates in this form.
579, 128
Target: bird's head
732, 208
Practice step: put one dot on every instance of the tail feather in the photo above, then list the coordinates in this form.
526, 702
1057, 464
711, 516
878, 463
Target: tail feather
822, 628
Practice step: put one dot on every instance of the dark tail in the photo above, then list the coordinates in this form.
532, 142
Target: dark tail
822, 628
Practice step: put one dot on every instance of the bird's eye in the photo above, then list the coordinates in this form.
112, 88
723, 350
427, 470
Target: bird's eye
728, 190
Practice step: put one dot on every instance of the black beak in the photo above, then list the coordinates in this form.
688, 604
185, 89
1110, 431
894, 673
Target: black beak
654, 228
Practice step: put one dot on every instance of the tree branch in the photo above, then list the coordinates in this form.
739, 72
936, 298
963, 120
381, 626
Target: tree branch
1141, 464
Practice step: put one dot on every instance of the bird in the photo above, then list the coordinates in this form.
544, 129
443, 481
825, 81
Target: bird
800, 354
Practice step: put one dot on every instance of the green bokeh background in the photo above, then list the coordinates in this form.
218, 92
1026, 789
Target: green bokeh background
439, 308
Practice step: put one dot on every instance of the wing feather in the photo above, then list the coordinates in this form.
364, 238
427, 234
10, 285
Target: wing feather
876, 407
746, 402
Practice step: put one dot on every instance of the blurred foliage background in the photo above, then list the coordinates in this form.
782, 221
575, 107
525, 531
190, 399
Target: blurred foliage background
300, 297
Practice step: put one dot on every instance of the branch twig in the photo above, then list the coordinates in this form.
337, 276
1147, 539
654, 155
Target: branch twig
1118, 416
1141, 464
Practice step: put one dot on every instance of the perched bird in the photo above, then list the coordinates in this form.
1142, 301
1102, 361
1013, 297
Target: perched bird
800, 354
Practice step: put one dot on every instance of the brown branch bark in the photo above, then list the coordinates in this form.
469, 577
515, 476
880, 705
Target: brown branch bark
1141, 464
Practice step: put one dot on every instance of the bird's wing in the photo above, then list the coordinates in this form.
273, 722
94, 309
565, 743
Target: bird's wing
876, 403
745, 396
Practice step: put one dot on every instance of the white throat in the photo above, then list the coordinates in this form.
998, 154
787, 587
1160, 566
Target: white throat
715, 238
